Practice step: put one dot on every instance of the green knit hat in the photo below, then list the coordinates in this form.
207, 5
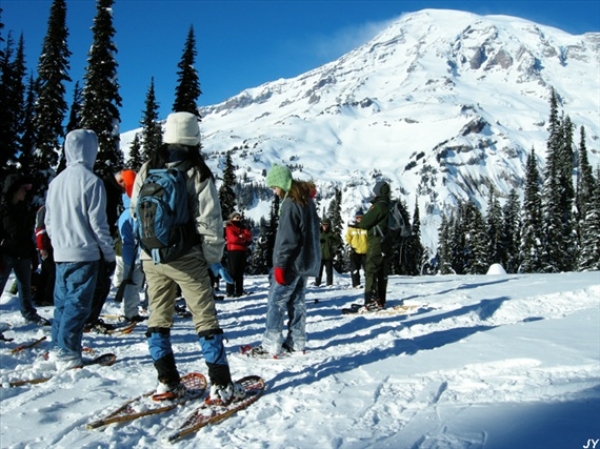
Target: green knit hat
280, 176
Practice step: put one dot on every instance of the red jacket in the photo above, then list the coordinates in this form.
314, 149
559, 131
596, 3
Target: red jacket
237, 236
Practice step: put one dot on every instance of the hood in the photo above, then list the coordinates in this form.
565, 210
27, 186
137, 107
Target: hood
81, 147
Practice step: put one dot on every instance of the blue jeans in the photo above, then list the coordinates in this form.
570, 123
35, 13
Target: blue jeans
73, 293
286, 298
22, 269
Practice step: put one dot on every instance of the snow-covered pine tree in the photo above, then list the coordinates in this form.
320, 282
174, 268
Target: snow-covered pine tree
188, 90
476, 241
531, 238
411, 248
585, 186
493, 222
589, 258
152, 131
101, 99
510, 236
227, 188
52, 74
135, 153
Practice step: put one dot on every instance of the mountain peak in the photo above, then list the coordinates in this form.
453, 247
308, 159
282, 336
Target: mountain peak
444, 104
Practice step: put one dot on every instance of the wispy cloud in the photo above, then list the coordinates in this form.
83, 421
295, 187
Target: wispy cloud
330, 47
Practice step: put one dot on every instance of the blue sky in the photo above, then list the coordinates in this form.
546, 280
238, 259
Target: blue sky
242, 44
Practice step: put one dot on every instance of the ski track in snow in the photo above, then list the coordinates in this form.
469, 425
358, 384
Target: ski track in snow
357, 386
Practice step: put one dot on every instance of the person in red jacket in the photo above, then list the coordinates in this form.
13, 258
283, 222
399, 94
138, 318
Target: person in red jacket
238, 237
44, 295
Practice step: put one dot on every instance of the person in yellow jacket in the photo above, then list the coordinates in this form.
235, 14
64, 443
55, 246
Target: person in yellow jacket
357, 239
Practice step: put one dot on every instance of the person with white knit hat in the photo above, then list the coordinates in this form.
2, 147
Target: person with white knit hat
296, 256
190, 271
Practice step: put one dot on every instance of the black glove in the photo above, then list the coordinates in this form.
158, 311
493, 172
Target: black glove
109, 268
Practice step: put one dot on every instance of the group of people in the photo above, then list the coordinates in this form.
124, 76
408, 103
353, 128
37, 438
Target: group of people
78, 228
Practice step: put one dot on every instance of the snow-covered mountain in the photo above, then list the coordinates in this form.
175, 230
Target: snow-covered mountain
443, 104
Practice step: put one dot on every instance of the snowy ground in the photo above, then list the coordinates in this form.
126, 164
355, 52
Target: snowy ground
494, 362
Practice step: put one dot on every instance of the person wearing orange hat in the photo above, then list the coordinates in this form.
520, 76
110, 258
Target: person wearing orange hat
132, 274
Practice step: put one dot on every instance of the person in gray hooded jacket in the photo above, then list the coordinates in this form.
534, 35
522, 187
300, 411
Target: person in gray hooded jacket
76, 223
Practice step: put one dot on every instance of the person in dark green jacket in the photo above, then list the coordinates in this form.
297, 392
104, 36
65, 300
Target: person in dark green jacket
376, 269
330, 242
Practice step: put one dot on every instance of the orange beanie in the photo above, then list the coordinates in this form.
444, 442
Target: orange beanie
128, 180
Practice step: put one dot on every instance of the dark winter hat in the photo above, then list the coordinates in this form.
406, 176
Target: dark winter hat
280, 176
326, 222
182, 128
359, 213
382, 188
14, 182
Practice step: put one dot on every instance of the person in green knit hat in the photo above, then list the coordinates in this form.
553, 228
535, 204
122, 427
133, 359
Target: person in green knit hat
296, 256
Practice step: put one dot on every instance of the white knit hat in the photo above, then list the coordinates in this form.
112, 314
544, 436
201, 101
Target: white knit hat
182, 128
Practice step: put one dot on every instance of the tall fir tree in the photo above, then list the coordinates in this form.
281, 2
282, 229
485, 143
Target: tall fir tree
476, 241
188, 90
9, 129
19, 116
589, 257
227, 188
585, 184
29, 133
457, 233
412, 248
152, 132
135, 153
101, 99
566, 168
510, 236
337, 223
531, 238
74, 121
53, 72
444, 251
494, 228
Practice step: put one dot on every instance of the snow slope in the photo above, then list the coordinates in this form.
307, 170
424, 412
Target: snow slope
489, 362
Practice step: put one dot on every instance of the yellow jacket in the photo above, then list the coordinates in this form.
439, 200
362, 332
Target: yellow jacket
357, 239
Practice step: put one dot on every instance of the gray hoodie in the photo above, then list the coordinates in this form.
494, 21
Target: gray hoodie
76, 205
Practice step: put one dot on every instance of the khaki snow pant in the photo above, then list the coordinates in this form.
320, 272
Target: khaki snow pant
190, 272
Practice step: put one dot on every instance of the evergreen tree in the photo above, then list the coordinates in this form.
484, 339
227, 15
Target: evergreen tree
510, 236
75, 113
101, 99
552, 214
9, 128
458, 239
337, 223
445, 247
51, 107
411, 248
530, 247
28, 136
271, 231
152, 132
227, 189
188, 90
566, 168
494, 228
135, 155
261, 262
585, 184
476, 241
589, 258
19, 93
